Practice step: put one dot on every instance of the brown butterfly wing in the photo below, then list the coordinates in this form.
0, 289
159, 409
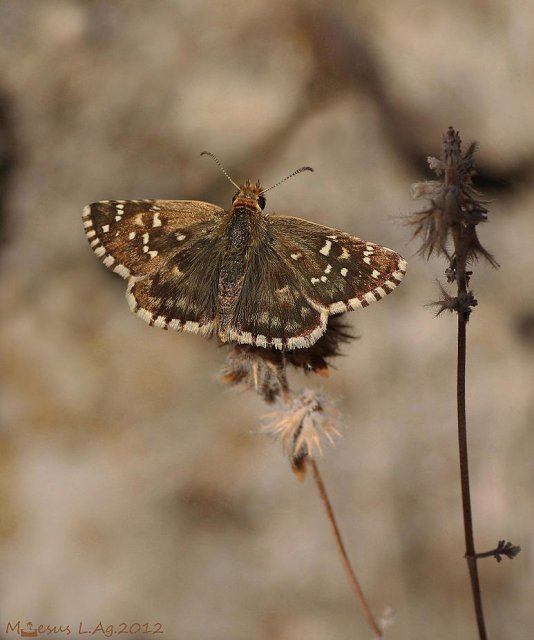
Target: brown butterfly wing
169, 251
301, 274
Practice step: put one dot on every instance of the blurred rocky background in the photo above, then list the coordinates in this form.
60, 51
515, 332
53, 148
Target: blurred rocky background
134, 487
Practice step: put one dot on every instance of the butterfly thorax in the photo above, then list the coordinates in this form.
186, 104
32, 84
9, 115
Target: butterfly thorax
243, 229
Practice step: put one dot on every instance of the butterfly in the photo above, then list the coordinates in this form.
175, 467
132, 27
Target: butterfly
250, 278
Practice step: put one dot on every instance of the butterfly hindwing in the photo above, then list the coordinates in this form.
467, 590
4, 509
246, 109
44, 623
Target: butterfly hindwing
272, 310
169, 253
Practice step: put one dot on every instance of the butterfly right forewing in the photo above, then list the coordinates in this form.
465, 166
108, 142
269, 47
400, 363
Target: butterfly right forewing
336, 271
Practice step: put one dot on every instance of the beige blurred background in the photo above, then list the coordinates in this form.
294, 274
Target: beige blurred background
135, 487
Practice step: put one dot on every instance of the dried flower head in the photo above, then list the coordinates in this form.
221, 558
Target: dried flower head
264, 370
507, 549
456, 207
301, 424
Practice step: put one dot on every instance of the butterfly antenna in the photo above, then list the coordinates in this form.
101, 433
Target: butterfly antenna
287, 178
207, 153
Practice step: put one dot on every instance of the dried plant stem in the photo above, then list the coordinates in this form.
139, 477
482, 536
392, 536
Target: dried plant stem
349, 571
470, 553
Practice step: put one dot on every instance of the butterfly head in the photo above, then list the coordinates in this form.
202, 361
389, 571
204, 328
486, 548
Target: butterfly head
250, 195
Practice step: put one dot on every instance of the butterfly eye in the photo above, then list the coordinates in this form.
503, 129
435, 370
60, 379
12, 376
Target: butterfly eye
261, 202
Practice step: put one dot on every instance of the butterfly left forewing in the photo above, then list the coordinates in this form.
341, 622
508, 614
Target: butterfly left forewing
134, 237
169, 250
336, 271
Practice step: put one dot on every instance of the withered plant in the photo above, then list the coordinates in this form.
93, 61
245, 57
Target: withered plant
448, 228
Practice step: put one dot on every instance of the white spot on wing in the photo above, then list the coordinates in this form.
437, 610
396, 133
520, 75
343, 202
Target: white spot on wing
299, 342
337, 307
146, 315
152, 254
161, 322
156, 222
328, 268
283, 291
122, 271
131, 235
180, 237
326, 249
296, 256
344, 272
261, 341
243, 337
375, 273
105, 228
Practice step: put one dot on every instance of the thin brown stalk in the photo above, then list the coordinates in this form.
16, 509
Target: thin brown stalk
347, 566
470, 553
